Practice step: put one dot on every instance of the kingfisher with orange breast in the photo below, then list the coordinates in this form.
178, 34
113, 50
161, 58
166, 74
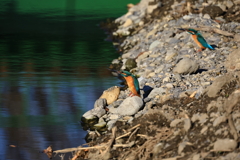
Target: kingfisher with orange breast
198, 39
132, 83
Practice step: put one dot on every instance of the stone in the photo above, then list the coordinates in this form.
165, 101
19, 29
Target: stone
157, 92
170, 55
111, 123
225, 145
206, 16
204, 129
219, 120
233, 60
203, 117
100, 125
89, 117
175, 122
130, 64
229, 4
113, 116
127, 23
186, 66
111, 94
213, 11
128, 107
187, 124
154, 44
217, 85
99, 112
100, 103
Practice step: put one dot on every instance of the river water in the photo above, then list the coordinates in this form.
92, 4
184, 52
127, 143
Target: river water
53, 66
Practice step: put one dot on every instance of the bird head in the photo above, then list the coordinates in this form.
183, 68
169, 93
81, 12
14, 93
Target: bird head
189, 30
125, 73
192, 31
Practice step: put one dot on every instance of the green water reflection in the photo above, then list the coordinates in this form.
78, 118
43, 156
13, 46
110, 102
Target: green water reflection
53, 66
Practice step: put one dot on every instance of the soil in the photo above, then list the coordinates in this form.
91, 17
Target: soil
155, 139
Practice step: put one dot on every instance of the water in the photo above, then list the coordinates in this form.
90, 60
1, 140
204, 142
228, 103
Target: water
53, 66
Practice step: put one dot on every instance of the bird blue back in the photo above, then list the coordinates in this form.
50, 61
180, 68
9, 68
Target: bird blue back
203, 41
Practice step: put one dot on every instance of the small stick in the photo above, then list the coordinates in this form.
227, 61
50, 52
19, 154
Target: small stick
97, 133
212, 29
78, 148
142, 135
125, 135
124, 145
114, 129
133, 134
138, 125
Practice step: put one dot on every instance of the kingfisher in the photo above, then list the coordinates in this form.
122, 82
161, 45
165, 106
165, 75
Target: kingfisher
198, 39
132, 83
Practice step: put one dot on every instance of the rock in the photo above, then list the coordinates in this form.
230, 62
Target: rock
127, 23
128, 107
111, 94
175, 122
100, 126
217, 85
203, 117
99, 112
187, 124
206, 16
229, 4
130, 64
237, 38
204, 129
219, 120
154, 44
232, 62
213, 11
186, 66
225, 145
88, 117
100, 103
113, 116
111, 123
170, 55
157, 92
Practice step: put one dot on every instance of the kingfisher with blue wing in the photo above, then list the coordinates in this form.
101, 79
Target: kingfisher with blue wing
132, 83
198, 39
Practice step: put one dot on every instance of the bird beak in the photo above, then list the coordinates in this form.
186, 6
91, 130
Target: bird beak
180, 30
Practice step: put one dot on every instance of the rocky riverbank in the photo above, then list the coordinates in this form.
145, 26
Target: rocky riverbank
189, 107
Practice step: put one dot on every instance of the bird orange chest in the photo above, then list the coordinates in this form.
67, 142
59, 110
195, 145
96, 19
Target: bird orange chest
130, 82
194, 37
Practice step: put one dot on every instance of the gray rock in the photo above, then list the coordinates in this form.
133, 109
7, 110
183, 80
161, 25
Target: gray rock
100, 103
99, 112
157, 91
113, 116
89, 115
170, 55
154, 44
186, 66
232, 62
111, 123
217, 85
128, 107
225, 145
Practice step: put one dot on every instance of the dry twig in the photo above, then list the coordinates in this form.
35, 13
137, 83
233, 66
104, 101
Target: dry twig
135, 131
215, 30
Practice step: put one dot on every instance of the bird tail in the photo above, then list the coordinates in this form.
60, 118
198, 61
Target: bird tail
210, 47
